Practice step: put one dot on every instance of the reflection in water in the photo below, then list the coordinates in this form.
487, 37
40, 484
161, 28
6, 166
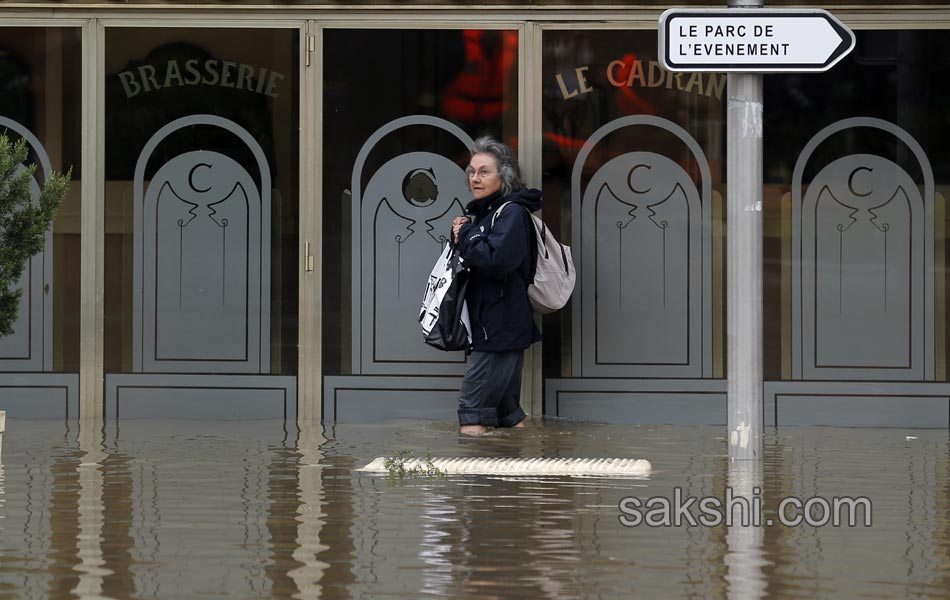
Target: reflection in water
745, 559
91, 567
61, 506
309, 515
704, 476
145, 520
249, 510
435, 546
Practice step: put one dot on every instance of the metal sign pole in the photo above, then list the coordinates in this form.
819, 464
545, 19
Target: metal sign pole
745, 40
744, 260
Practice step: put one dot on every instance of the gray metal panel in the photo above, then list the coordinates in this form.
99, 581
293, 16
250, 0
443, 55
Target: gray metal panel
862, 264
402, 238
30, 346
202, 259
638, 401
643, 247
40, 395
188, 396
363, 399
642, 256
399, 223
860, 404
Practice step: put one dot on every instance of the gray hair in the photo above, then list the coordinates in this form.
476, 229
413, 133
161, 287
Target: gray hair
512, 179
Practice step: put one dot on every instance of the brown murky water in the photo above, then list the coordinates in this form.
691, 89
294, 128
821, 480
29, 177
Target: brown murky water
164, 509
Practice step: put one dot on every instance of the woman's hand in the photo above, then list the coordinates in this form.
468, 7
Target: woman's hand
456, 225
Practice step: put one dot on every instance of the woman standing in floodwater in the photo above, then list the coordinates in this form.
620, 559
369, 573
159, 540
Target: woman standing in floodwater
500, 253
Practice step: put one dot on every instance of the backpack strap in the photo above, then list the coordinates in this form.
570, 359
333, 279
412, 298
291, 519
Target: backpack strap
542, 232
498, 210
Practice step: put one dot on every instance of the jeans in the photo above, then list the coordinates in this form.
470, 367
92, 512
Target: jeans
491, 389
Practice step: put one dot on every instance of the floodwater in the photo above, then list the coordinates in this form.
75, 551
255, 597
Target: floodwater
171, 509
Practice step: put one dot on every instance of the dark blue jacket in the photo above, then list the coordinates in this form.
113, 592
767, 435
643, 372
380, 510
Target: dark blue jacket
501, 260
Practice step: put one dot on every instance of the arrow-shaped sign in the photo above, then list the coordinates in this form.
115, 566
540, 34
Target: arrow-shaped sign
762, 40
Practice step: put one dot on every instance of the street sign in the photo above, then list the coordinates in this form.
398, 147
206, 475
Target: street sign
757, 40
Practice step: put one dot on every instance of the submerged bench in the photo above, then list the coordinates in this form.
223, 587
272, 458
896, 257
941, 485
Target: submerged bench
599, 467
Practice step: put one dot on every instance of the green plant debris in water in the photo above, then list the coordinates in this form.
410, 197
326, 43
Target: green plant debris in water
399, 467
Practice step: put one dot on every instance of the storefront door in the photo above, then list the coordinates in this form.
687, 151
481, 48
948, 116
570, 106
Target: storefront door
39, 359
201, 169
633, 177
395, 145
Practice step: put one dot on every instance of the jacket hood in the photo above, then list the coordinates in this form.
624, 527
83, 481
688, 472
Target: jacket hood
530, 198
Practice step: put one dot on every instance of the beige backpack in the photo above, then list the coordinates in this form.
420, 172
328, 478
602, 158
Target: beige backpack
554, 272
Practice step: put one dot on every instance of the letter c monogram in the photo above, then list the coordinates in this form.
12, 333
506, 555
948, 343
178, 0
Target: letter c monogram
191, 177
851, 182
630, 178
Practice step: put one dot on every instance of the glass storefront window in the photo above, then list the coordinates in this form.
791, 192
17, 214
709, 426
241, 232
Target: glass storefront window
201, 209
40, 73
633, 179
856, 180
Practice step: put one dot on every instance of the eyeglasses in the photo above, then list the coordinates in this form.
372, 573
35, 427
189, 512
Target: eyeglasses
482, 173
